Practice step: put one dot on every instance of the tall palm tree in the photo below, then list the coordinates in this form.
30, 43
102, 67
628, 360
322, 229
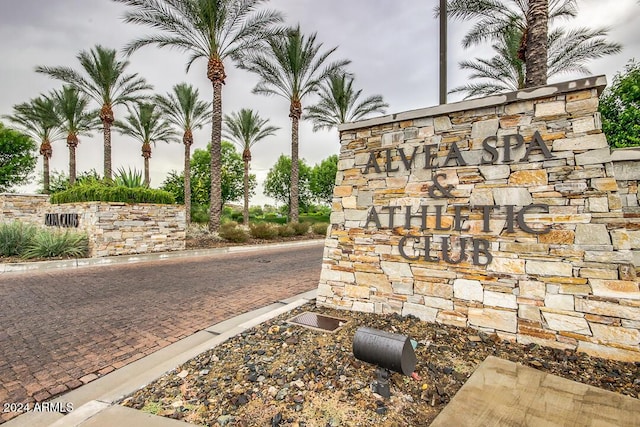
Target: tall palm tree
245, 129
292, 66
71, 105
39, 119
338, 103
184, 109
212, 29
145, 124
567, 52
105, 82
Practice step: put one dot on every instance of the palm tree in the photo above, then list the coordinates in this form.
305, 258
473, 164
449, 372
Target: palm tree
39, 119
184, 109
215, 30
291, 67
104, 82
245, 129
567, 52
71, 105
337, 103
146, 125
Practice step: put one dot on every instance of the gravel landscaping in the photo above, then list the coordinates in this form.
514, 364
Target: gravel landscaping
283, 374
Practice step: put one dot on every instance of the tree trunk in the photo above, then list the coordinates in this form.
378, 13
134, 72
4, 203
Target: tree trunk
215, 73
536, 44
72, 143
295, 112
187, 139
245, 213
106, 115
46, 151
146, 153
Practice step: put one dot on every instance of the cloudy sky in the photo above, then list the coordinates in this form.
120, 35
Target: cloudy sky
393, 46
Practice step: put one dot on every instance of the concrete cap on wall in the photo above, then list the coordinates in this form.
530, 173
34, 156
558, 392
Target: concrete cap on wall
597, 82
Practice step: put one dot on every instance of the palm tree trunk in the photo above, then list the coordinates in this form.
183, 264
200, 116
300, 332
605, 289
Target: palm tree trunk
106, 115
187, 139
46, 151
245, 213
146, 153
215, 73
45, 174
536, 45
72, 143
295, 112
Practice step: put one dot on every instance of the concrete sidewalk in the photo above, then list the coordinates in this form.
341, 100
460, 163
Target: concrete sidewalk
14, 267
94, 404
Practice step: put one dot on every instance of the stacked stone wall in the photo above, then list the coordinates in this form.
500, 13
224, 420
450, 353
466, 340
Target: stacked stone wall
112, 228
446, 214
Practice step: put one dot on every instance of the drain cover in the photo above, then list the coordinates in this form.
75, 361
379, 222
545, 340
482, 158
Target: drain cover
317, 321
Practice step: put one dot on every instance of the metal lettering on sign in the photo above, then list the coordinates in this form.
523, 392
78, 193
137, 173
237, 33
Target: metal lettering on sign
69, 220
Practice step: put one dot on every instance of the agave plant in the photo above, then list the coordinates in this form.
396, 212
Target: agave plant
129, 178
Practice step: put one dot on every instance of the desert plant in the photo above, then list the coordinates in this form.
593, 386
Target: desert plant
15, 237
49, 244
300, 228
233, 233
286, 230
129, 178
320, 228
263, 230
200, 214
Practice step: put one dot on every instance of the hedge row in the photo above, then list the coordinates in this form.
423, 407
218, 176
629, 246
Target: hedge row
99, 192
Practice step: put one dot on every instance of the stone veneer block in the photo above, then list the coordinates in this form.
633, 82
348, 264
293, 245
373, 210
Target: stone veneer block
562, 322
592, 234
549, 268
615, 289
500, 320
616, 334
468, 290
422, 312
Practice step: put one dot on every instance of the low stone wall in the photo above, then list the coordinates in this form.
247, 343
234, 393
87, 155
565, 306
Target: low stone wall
112, 228
503, 214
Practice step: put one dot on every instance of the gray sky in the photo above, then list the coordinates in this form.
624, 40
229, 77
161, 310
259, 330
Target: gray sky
393, 46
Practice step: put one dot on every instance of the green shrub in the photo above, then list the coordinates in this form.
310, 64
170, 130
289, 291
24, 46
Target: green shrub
275, 218
15, 237
300, 228
98, 191
320, 228
200, 214
256, 211
48, 244
286, 230
231, 232
263, 230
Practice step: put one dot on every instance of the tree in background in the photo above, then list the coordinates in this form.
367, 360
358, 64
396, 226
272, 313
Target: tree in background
72, 107
17, 160
278, 182
245, 129
231, 177
323, 179
620, 108
339, 103
104, 82
60, 180
292, 67
215, 30
184, 109
39, 119
535, 44
507, 24
146, 125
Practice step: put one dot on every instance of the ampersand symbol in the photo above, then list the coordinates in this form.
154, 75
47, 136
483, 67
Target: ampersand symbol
444, 190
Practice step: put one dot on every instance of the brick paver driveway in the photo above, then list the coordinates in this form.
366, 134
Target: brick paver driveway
60, 329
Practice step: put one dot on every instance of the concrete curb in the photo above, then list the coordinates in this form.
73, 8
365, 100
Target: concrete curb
23, 267
95, 403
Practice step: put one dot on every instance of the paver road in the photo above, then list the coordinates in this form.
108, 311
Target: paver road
60, 329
